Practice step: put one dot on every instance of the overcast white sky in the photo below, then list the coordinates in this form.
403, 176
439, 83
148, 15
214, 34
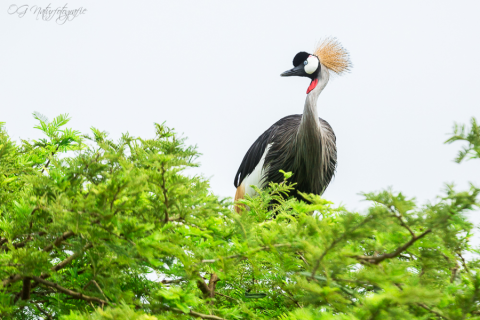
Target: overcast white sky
211, 70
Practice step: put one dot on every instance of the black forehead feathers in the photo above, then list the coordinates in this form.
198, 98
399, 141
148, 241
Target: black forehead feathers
300, 57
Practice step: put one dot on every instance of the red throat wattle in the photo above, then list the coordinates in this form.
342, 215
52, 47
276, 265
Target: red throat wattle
312, 85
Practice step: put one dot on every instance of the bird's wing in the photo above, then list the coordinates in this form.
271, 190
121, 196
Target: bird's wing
257, 150
252, 157
329, 131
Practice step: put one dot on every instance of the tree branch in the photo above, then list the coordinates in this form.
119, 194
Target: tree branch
59, 240
69, 292
165, 281
334, 243
11, 279
402, 223
203, 287
22, 244
208, 290
212, 284
63, 264
27, 284
164, 190
394, 254
70, 258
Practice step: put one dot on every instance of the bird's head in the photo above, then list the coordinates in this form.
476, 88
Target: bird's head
329, 55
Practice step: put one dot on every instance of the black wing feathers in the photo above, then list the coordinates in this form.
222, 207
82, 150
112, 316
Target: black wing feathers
255, 153
252, 157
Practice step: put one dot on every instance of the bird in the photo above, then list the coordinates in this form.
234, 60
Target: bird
303, 144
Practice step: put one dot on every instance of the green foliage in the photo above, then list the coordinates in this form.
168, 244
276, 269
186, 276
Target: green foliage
117, 230
121, 312
472, 151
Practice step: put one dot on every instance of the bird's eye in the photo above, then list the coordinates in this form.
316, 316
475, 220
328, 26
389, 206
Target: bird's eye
311, 64
305, 62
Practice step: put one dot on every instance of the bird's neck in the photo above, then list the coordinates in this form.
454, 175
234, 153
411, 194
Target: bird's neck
308, 147
310, 124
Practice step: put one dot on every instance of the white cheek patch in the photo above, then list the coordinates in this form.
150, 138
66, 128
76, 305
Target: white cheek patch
312, 65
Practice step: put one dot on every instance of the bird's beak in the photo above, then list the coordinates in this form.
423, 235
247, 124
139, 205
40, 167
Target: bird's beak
297, 71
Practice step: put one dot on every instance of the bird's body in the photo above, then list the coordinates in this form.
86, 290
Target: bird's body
277, 149
303, 144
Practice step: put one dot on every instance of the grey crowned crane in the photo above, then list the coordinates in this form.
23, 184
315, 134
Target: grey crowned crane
301, 143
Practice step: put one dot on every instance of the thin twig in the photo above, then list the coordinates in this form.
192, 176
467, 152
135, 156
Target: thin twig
303, 258
266, 248
100, 289
43, 311
224, 295
31, 221
164, 190
22, 244
464, 264
399, 217
290, 296
196, 314
86, 286
48, 162
424, 306
454, 273
97, 222
115, 198
403, 224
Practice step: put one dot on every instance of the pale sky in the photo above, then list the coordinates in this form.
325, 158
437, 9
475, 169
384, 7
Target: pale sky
211, 70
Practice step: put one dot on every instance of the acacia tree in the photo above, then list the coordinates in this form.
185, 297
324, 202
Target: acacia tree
91, 228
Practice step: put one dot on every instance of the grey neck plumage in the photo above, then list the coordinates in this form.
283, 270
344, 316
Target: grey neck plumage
310, 125
309, 148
